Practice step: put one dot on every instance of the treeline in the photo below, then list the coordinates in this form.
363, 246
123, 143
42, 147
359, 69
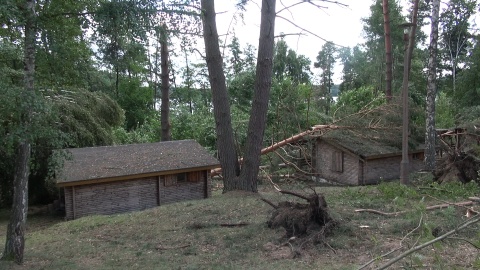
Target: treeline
98, 78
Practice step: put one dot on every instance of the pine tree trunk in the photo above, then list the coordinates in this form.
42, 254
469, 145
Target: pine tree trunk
263, 82
430, 135
388, 51
15, 238
165, 106
221, 108
413, 31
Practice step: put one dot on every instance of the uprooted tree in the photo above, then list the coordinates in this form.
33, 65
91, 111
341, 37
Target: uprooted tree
459, 159
302, 219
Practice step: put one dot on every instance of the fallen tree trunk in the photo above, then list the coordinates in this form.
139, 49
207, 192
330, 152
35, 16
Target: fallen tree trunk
289, 140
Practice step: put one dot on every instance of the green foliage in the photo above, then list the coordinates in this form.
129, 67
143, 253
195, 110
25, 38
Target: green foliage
240, 90
469, 118
372, 70
292, 110
455, 24
326, 60
287, 64
137, 102
11, 65
353, 101
444, 110
10, 97
391, 191
87, 117
42, 132
455, 190
352, 62
147, 133
468, 90
235, 61
63, 55
199, 126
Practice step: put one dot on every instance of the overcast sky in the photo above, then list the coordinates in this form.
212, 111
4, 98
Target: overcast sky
339, 24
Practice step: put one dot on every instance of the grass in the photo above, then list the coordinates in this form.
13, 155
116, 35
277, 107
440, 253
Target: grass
187, 235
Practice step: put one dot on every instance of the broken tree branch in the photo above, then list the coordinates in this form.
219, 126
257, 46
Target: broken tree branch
419, 247
239, 224
310, 32
433, 207
277, 188
447, 202
466, 240
295, 194
270, 203
162, 247
393, 250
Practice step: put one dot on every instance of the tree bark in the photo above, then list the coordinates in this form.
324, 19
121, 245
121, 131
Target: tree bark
388, 51
227, 153
263, 82
15, 238
413, 31
430, 135
165, 106
15, 242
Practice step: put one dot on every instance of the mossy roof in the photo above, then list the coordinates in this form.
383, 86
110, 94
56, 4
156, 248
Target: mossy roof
133, 160
368, 143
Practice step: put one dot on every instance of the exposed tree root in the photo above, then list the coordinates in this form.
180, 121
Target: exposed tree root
300, 219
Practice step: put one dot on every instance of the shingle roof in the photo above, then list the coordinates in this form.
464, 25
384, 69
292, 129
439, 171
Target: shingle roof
134, 159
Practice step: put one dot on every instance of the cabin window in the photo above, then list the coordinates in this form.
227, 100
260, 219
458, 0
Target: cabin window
417, 156
337, 161
174, 179
181, 177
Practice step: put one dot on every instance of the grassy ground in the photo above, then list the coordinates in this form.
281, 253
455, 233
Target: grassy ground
189, 235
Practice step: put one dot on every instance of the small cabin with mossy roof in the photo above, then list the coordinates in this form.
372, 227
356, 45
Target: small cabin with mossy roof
122, 178
361, 158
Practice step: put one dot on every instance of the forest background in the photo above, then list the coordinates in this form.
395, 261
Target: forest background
98, 76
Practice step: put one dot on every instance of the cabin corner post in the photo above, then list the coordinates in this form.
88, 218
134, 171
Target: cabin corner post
159, 180
208, 184
73, 202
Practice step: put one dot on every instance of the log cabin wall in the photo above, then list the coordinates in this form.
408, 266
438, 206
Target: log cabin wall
336, 165
131, 195
189, 189
388, 168
377, 170
110, 198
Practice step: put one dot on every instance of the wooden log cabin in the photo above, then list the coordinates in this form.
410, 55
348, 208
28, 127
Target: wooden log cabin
349, 158
123, 178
